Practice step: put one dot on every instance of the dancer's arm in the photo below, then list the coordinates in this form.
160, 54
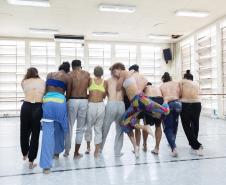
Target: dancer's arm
120, 81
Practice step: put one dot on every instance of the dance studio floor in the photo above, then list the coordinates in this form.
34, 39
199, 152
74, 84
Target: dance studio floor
187, 169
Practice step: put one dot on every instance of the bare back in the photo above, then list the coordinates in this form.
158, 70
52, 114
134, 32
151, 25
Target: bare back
112, 93
170, 91
61, 76
34, 89
141, 81
190, 91
152, 91
80, 83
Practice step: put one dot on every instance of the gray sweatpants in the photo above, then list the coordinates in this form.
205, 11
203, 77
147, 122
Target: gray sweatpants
113, 112
77, 109
95, 118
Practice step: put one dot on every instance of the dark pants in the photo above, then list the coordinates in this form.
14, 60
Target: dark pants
30, 116
190, 120
170, 123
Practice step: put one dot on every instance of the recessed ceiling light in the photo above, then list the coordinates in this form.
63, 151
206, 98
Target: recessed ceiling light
43, 31
191, 13
41, 3
100, 34
159, 37
117, 8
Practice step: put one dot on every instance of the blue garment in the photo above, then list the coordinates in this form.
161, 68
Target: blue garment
52, 143
48, 145
59, 138
54, 126
56, 83
55, 108
170, 123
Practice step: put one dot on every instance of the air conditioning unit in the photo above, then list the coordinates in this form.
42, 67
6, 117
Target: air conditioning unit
69, 38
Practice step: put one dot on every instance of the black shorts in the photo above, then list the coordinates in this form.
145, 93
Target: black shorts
126, 102
148, 119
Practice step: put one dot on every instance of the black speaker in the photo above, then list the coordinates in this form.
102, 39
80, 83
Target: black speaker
167, 54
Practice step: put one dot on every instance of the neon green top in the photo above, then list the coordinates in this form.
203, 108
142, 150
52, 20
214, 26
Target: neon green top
96, 87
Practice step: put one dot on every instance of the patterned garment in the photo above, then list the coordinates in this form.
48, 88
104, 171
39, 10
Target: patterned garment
139, 104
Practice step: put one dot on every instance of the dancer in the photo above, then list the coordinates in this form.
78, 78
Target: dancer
54, 121
31, 114
96, 110
139, 103
171, 93
113, 112
77, 107
139, 78
191, 109
154, 93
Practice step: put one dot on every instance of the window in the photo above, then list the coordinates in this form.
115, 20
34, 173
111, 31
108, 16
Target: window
126, 54
223, 29
71, 51
206, 51
99, 54
43, 57
12, 70
150, 64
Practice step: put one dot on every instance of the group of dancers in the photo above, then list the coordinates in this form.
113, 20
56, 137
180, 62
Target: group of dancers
69, 97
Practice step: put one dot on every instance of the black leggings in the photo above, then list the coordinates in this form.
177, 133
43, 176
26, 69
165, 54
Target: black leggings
30, 116
190, 120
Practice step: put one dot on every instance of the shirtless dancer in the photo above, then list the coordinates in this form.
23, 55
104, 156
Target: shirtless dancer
113, 112
139, 78
171, 93
155, 94
191, 108
138, 101
77, 107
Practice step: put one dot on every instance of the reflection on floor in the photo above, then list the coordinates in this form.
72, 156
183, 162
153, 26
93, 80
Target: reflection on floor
187, 169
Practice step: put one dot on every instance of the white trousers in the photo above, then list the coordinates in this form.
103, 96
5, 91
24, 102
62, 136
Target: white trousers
95, 118
77, 109
113, 112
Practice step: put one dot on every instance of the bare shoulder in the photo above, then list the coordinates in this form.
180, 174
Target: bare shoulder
85, 73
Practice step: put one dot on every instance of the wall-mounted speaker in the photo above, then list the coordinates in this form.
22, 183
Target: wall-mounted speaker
167, 54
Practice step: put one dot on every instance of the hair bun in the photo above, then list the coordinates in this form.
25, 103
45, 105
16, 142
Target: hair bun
188, 72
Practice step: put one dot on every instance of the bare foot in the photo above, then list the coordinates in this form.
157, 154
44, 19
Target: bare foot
56, 156
78, 156
46, 171
25, 157
96, 155
66, 153
138, 148
145, 147
136, 152
155, 151
88, 151
174, 153
32, 165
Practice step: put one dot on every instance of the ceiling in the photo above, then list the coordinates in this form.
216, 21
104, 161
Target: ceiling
82, 17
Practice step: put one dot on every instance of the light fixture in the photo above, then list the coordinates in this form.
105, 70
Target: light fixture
80, 39
100, 34
117, 8
43, 31
41, 3
159, 37
191, 13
